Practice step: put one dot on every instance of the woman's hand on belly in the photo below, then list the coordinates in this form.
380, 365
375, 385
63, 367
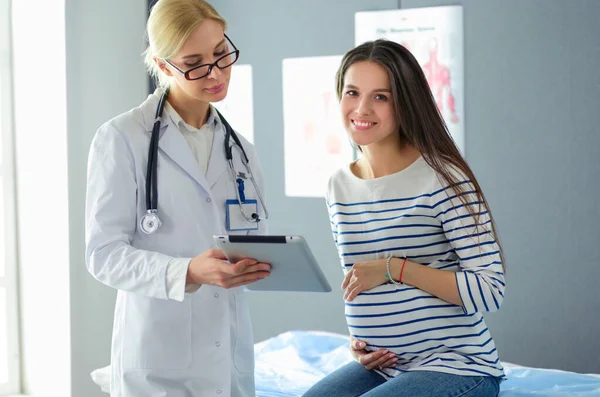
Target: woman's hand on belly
381, 358
364, 276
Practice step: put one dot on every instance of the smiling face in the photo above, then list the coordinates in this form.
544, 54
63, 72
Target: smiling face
367, 106
205, 45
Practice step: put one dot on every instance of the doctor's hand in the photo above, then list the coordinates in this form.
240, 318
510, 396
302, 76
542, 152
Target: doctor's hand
363, 276
211, 267
381, 358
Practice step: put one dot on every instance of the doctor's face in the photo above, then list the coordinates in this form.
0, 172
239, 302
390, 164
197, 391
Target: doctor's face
206, 45
367, 104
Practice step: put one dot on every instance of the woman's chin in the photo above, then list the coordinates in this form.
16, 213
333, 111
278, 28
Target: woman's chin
361, 142
218, 97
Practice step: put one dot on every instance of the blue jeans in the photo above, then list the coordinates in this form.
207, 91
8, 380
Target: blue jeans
354, 380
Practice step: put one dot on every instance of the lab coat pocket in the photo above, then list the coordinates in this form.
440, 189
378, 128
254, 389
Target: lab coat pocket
243, 350
159, 335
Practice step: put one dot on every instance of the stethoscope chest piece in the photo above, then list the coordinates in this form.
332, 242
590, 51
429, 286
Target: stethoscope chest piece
150, 222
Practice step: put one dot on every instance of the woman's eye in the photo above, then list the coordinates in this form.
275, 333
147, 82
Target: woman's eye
381, 97
191, 65
220, 53
351, 93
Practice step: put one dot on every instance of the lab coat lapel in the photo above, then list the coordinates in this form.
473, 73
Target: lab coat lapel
173, 144
217, 163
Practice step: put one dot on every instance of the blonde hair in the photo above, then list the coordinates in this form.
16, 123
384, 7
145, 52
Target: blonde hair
170, 24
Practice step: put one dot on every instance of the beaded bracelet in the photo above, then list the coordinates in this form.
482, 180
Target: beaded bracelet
389, 274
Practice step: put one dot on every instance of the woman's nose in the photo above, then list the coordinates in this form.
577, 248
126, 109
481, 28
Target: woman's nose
364, 107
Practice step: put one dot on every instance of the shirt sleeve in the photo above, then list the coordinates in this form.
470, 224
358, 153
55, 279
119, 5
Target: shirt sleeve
481, 280
332, 224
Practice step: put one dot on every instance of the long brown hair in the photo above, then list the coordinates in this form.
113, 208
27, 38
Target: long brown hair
418, 119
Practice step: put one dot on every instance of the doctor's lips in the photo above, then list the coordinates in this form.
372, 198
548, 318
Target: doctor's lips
216, 89
362, 124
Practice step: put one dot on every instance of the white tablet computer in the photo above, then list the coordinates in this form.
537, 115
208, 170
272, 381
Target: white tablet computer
293, 266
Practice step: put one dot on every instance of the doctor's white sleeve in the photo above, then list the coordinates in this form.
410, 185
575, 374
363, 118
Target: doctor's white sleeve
177, 277
110, 221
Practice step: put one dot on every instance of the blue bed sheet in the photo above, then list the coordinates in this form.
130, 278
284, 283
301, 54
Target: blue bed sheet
288, 364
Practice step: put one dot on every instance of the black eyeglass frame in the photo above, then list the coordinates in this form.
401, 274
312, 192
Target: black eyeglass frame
186, 74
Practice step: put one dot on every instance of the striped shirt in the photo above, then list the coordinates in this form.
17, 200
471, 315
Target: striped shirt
412, 214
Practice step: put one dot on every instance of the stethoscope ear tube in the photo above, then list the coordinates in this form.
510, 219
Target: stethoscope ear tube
150, 222
229, 134
152, 168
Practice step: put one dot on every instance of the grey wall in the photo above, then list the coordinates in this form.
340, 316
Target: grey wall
532, 138
105, 77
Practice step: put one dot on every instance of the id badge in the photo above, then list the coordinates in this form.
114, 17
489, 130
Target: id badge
234, 220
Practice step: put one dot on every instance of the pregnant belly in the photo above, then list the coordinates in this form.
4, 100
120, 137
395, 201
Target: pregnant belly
398, 317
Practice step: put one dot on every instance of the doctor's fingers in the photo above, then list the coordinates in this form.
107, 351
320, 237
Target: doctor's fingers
214, 253
247, 278
248, 266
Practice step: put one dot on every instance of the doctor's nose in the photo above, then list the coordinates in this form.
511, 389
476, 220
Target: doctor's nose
215, 73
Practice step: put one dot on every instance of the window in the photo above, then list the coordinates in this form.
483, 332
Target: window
9, 341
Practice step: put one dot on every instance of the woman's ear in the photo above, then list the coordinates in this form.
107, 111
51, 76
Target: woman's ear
162, 66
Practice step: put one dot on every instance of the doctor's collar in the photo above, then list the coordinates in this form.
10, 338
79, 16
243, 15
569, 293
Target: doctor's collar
179, 122
212, 121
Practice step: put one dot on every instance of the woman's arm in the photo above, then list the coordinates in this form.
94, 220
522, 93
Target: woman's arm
440, 283
479, 284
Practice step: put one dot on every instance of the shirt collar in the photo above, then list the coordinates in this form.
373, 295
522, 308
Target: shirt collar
181, 124
213, 119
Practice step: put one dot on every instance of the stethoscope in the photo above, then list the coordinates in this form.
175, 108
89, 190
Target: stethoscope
150, 222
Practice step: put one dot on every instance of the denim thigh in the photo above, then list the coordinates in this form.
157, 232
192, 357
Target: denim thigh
438, 384
351, 380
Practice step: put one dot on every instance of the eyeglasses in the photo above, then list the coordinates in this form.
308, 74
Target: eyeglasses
204, 70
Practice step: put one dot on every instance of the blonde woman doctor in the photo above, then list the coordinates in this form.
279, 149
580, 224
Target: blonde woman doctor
181, 324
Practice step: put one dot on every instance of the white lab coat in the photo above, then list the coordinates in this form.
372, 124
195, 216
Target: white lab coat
202, 346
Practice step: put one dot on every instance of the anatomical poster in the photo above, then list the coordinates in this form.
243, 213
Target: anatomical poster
315, 141
434, 35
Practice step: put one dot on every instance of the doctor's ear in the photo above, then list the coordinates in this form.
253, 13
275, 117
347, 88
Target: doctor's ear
162, 65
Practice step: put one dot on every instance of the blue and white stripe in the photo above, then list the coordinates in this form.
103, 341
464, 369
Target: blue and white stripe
410, 214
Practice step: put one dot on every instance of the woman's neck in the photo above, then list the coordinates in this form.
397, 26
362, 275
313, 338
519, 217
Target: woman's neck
385, 159
192, 111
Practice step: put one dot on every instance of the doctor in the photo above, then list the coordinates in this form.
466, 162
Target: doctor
181, 324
